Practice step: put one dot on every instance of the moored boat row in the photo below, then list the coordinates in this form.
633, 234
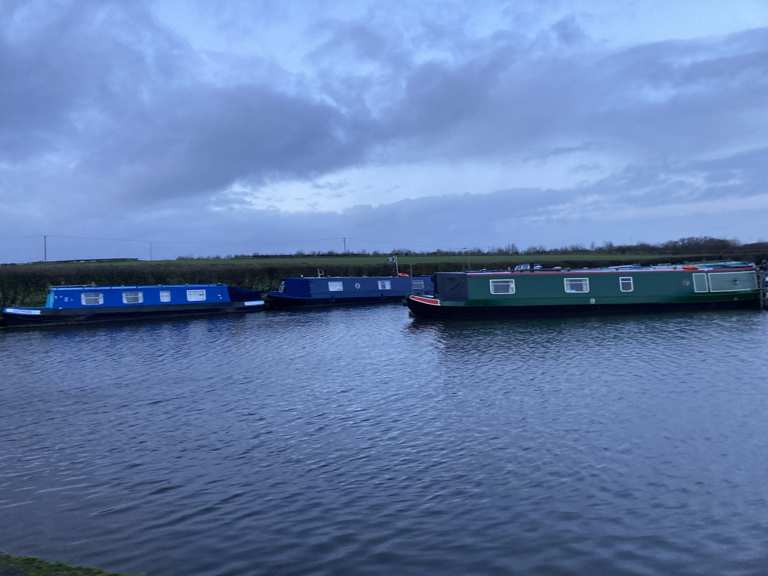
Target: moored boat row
67, 305
531, 291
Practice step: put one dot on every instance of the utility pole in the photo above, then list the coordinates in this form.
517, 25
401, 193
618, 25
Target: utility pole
344, 239
45, 247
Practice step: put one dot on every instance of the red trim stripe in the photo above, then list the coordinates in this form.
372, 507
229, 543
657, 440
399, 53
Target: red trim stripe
593, 271
425, 300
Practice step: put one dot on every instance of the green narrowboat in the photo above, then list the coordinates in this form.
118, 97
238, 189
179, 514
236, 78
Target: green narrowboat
590, 290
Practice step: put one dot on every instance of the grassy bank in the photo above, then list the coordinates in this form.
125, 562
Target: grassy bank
26, 284
24, 566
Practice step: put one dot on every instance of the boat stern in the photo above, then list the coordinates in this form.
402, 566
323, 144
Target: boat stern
15, 316
426, 306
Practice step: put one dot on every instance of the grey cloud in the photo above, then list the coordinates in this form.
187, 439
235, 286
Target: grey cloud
568, 31
668, 98
105, 111
521, 216
105, 84
109, 85
208, 138
61, 62
362, 42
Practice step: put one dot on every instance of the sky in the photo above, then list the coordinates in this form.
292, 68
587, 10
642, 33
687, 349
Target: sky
170, 128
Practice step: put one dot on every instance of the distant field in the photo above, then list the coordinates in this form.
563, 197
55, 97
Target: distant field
27, 283
404, 261
459, 260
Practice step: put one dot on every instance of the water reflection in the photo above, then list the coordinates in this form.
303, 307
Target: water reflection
358, 440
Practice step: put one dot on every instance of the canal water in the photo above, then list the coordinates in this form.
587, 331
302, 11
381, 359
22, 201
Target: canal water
359, 441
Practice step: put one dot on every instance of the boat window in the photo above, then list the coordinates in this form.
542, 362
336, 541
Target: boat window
165, 295
133, 297
502, 286
700, 283
335, 286
385, 284
732, 281
417, 284
576, 285
195, 295
92, 298
627, 284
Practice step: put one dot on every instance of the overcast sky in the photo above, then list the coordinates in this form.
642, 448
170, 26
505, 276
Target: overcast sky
220, 127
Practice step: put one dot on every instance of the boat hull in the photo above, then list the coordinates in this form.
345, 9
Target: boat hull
277, 302
420, 308
32, 318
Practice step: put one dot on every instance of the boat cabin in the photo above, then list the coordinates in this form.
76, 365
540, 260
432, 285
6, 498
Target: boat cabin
330, 289
635, 287
68, 297
611, 284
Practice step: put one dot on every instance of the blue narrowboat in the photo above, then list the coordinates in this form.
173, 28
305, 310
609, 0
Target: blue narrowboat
330, 290
67, 305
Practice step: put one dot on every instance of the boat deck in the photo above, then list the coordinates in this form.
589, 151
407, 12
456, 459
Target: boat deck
634, 268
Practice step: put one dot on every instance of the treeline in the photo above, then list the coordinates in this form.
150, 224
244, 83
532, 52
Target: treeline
689, 246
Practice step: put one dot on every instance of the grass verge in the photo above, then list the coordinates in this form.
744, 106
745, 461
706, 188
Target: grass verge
27, 566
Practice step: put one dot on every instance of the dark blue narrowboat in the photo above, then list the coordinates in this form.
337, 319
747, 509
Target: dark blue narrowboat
66, 305
331, 290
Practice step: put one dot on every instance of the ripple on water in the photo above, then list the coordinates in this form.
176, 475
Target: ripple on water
357, 440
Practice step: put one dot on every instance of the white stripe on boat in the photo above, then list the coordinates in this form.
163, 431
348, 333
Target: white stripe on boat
254, 303
22, 311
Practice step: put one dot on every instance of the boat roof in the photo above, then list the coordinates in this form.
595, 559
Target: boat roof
686, 267
133, 286
354, 277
